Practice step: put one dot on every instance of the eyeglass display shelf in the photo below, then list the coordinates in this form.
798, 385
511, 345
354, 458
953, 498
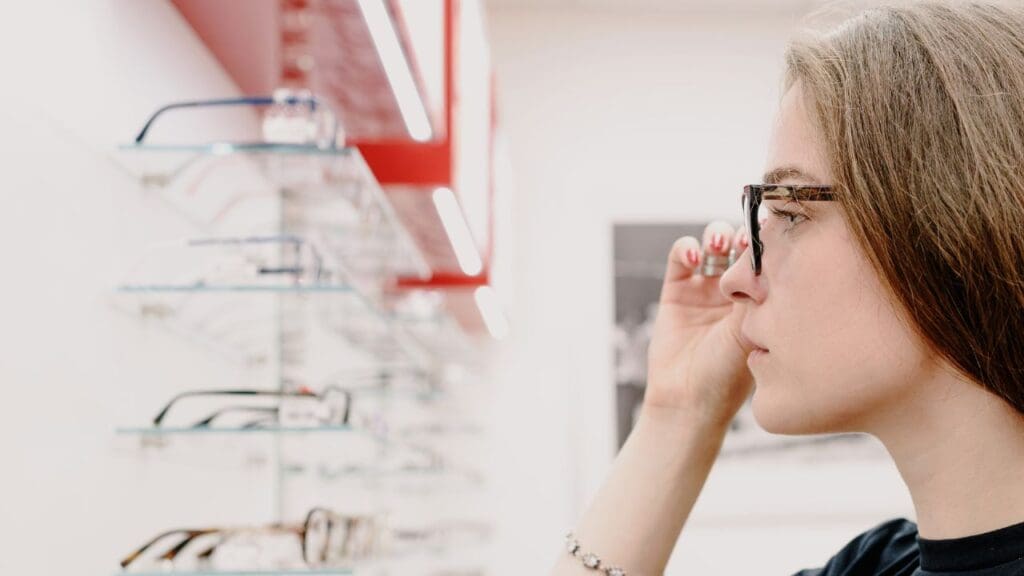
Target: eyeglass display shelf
330, 572
215, 288
153, 431
226, 148
157, 431
163, 165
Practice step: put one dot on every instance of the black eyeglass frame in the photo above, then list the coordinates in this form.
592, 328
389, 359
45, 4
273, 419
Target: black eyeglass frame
342, 419
755, 194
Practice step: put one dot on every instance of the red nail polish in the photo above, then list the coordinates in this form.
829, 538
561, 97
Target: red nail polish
743, 241
692, 256
718, 242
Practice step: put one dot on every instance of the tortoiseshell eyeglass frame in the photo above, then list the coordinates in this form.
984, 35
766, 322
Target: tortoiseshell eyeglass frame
755, 194
312, 557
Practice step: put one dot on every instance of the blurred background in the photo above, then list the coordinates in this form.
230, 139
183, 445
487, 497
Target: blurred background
370, 293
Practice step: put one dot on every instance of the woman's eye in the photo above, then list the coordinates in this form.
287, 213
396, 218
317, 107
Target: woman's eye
792, 217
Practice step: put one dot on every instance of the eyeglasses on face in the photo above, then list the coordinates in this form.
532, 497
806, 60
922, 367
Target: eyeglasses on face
754, 195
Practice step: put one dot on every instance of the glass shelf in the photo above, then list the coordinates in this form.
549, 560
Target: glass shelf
200, 288
191, 431
226, 148
332, 572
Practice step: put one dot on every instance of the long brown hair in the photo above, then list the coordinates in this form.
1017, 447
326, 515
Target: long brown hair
921, 109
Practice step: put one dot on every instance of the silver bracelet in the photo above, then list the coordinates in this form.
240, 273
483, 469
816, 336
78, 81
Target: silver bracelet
589, 559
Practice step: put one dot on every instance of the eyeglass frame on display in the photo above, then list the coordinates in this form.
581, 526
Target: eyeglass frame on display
284, 97
755, 194
302, 531
367, 528
344, 419
319, 270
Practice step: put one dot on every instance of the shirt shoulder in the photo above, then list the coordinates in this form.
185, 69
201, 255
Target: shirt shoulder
889, 549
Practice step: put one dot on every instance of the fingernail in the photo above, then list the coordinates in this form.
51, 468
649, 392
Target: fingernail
718, 242
692, 256
743, 241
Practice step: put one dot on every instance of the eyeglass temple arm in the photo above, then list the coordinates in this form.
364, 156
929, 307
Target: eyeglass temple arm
206, 554
189, 535
310, 101
209, 419
163, 413
171, 554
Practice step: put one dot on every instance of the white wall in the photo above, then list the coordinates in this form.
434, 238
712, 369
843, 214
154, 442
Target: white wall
615, 116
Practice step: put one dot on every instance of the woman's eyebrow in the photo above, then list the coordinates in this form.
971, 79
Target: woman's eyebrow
777, 175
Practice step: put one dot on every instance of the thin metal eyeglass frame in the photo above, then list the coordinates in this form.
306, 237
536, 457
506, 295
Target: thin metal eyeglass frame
755, 194
291, 100
320, 273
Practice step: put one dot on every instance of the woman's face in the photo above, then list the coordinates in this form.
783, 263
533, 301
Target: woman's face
839, 359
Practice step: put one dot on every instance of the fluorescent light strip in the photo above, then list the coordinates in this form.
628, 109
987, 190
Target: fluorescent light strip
490, 308
385, 39
458, 231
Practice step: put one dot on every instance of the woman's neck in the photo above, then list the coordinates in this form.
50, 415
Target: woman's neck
960, 451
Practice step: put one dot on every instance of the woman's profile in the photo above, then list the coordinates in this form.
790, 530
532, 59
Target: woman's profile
879, 289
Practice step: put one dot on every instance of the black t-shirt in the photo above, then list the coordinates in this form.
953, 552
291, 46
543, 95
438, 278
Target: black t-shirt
893, 548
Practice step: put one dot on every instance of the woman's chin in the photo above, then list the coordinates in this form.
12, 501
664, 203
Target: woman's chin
778, 414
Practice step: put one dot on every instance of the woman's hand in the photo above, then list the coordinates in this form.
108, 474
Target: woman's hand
697, 360
697, 379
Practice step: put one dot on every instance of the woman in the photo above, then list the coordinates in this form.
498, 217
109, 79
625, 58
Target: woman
885, 296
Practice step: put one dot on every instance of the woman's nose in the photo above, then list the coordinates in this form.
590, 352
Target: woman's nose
739, 283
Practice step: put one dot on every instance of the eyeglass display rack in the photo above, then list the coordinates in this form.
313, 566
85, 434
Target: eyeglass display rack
326, 196
310, 572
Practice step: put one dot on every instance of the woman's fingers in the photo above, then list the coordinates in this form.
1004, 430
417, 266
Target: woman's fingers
740, 242
683, 259
688, 254
718, 237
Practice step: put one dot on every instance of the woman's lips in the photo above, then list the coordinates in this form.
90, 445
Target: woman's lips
751, 344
